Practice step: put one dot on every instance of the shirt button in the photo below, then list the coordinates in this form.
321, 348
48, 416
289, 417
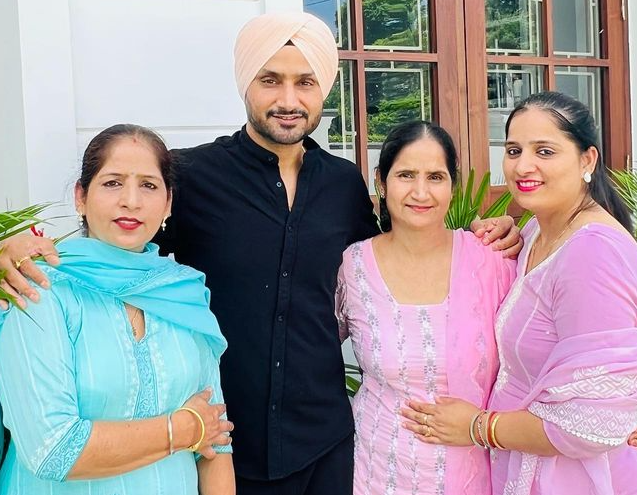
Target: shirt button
270, 159
285, 274
278, 184
274, 407
290, 228
277, 364
280, 317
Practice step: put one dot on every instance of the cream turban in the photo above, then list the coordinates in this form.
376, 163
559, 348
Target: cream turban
266, 34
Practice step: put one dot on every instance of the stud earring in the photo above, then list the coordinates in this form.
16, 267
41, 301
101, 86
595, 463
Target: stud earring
587, 177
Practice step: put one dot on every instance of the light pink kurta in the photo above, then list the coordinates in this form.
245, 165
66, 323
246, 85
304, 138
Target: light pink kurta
567, 338
411, 351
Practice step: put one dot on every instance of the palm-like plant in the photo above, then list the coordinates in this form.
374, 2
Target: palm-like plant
626, 185
15, 222
465, 205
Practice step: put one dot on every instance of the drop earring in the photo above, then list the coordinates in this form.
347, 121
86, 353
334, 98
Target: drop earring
163, 225
80, 219
587, 177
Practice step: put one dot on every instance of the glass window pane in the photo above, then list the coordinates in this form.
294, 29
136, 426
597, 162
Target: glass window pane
396, 25
576, 28
336, 14
507, 85
584, 84
514, 27
335, 132
396, 92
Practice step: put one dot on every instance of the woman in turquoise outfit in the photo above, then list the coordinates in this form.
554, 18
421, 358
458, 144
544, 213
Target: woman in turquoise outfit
110, 383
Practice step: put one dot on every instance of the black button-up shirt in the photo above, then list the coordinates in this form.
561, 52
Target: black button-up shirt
272, 275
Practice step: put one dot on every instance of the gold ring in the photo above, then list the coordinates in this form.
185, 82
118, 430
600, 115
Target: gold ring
427, 431
426, 419
18, 263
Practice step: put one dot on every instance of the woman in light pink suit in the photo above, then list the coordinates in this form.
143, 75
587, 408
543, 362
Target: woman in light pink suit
565, 399
419, 303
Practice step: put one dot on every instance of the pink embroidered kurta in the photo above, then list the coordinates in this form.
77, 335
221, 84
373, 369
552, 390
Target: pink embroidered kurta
567, 339
419, 351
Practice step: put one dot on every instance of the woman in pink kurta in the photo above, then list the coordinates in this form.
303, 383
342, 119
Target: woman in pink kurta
565, 400
568, 354
416, 349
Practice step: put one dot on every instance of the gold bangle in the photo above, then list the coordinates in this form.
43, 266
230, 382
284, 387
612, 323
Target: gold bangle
195, 446
493, 437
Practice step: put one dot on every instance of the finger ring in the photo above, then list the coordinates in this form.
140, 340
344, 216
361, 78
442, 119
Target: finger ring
426, 419
19, 262
427, 431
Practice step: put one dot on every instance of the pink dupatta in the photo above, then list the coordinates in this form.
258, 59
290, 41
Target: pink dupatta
481, 281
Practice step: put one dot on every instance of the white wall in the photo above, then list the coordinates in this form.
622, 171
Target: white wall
632, 42
73, 67
13, 176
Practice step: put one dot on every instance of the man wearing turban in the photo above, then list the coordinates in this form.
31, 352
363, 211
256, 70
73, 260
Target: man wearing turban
266, 214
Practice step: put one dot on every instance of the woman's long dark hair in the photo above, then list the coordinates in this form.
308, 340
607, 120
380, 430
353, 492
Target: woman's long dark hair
575, 120
403, 135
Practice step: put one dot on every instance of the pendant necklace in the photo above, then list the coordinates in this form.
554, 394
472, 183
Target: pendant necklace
552, 245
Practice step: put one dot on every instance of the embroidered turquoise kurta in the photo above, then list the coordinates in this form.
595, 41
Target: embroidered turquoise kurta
73, 360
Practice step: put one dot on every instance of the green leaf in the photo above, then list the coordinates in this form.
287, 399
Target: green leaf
464, 206
626, 186
352, 368
526, 216
483, 188
467, 200
352, 385
499, 206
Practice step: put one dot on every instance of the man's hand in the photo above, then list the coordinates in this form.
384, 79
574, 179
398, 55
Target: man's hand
501, 233
632, 439
15, 258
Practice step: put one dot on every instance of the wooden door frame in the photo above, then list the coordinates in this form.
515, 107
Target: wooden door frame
447, 59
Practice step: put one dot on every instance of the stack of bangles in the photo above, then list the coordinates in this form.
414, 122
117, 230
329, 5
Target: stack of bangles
195, 446
484, 423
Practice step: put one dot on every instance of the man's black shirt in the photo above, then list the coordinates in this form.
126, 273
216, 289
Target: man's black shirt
272, 275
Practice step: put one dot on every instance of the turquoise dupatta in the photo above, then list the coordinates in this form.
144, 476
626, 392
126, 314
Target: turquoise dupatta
155, 284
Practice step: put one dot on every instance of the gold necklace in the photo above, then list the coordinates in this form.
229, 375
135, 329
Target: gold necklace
552, 245
133, 320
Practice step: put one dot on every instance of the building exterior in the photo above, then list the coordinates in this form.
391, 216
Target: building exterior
70, 68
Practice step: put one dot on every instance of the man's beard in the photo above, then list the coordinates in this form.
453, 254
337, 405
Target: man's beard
276, 134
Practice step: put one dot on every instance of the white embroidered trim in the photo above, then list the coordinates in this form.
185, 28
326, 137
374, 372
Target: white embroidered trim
503, 316
522, 485
597, 425
597, 387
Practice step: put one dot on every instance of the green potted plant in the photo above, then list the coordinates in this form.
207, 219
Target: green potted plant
626, 184
15, 222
